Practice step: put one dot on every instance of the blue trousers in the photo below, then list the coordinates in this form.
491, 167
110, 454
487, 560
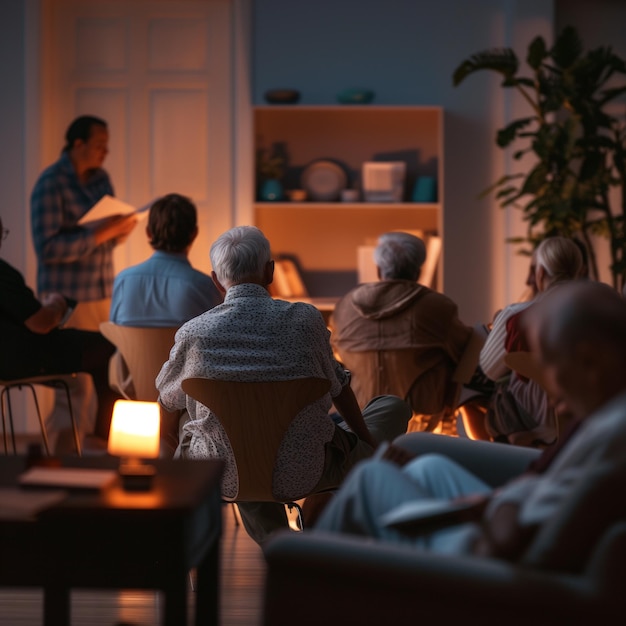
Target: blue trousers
376, 487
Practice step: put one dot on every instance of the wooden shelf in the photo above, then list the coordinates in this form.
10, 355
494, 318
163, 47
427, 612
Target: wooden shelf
352, 206
325, 236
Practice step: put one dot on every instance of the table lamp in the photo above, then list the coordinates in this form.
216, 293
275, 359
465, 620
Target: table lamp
134, 436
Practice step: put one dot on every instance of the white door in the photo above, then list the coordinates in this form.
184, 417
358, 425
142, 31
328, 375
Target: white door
161, 74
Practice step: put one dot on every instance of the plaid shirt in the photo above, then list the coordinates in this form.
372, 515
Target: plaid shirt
68, 260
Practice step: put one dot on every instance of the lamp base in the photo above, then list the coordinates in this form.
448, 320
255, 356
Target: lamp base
137, 476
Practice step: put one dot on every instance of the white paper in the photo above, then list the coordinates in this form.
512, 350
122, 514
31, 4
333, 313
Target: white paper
109, 206
80, 478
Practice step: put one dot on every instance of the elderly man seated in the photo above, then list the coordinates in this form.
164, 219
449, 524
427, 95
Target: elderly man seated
252, 337
397, 336
579, 331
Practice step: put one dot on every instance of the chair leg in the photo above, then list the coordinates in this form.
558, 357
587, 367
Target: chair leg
42, 425
234, 510
72, 418
6, 392
4, 426
290, 506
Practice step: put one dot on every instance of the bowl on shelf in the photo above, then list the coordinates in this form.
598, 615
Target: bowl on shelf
282, 96
355, 96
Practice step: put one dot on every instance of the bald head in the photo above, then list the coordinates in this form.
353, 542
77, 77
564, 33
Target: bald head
578, 329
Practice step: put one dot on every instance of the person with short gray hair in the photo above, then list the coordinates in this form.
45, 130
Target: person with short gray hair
399, 255
397, 336
240, 255
252, 337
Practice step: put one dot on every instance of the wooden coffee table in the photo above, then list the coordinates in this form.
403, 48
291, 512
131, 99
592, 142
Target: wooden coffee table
116, 539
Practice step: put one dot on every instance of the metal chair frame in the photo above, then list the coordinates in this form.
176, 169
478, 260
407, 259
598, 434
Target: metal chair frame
51, 380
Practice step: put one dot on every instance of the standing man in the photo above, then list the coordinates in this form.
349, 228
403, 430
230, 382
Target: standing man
253, 338
73, 260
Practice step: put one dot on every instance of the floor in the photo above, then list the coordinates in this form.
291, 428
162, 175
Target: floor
243, 572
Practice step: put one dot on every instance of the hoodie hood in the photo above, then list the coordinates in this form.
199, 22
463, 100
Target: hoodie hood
376, 301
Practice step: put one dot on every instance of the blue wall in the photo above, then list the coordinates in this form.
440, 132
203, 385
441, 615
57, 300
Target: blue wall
406, 51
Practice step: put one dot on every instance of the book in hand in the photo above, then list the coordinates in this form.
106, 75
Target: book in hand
109, 206
428, 515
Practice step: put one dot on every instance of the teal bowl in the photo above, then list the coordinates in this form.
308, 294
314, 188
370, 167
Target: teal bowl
355, 96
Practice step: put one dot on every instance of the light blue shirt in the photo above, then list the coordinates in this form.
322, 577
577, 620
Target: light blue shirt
162, 291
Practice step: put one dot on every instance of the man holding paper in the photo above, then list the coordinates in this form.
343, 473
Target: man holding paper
73, 259
76, 259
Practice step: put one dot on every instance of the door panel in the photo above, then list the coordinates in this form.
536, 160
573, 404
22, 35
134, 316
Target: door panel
160, 73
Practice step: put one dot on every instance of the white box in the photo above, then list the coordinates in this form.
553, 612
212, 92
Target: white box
383, 181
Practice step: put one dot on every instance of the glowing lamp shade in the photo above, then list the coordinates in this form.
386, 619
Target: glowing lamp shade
135, 430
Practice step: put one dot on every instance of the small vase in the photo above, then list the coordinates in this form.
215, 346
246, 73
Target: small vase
271, 190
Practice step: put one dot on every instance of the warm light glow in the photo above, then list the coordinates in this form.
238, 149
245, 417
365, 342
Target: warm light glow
135, 429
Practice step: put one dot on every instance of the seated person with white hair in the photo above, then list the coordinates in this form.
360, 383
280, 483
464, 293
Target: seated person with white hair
252, 337
519, 412
398, 314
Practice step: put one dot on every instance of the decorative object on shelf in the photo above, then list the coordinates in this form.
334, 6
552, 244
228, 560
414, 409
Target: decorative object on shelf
270, 169
425, 189
297, 195
282, 96
324, 180
355, 96
271, 190
383, 181
349, 195
570, 144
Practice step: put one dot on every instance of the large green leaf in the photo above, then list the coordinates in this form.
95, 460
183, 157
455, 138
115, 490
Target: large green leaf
501, 60
579, 144
506, 135
567, 47
537, 52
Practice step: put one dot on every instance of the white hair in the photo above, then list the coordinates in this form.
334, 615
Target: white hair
240, 255
399, 255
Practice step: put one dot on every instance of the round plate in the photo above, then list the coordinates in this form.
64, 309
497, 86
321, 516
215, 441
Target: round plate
323, 180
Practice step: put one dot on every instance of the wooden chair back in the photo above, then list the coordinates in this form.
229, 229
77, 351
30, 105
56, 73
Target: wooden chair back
255, 416
144, 351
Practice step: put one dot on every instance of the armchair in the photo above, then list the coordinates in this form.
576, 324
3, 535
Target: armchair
561, 579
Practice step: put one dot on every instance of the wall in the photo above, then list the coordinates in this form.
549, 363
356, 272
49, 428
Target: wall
599, 23
12, 129
406, 51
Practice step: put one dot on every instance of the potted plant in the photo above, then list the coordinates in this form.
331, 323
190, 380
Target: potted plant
576, 141
270, 169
